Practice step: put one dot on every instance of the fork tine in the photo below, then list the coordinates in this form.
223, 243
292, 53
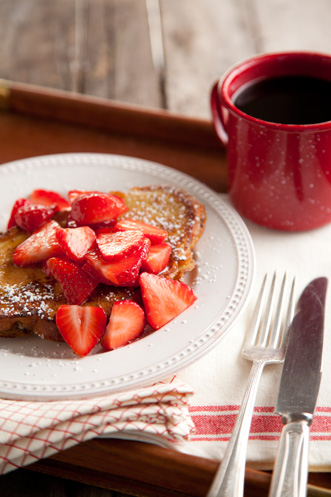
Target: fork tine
254, 328
263, 335
276, 335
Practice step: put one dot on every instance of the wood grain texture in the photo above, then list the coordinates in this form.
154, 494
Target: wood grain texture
113, 465
102, 47
44, 122
203, 39
295, 25
25, 483
201, 43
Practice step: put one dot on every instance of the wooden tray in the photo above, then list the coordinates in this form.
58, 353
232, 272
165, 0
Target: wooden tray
35, 121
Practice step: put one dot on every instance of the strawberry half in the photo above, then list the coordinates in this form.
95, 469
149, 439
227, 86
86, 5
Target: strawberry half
95, 208
122, 272
48, 197
114, 246
164, 299
76, 285
31, 217
40, 246
120, 204
76, 242
156, 235
73, 194
18, 203
157, 258
126, 322
81, 326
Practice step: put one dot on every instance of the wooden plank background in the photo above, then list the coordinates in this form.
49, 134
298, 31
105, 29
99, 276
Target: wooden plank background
102, 48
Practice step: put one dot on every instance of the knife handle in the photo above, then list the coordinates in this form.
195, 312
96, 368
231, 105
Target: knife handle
289, 478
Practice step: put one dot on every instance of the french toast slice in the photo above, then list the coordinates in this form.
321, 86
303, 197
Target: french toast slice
175, 211
29, 299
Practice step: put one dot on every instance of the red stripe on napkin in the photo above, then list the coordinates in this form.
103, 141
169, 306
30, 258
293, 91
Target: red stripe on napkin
216, 423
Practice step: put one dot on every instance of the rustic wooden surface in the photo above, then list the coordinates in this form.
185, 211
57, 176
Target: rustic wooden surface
102, 48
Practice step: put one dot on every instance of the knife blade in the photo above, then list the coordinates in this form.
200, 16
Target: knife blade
298, 391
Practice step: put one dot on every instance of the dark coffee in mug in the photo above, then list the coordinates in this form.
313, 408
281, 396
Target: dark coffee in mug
287, 100
272, 112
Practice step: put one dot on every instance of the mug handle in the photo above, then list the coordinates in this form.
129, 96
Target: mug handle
218, 117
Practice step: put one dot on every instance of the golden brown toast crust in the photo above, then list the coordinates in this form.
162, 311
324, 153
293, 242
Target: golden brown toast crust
29, 298
175, 211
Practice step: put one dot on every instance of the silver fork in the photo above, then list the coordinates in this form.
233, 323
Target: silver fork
265, 344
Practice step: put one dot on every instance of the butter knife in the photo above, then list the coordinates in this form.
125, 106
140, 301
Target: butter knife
298, 391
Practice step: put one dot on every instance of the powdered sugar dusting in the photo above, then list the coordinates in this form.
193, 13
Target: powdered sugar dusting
30, 299
181, 214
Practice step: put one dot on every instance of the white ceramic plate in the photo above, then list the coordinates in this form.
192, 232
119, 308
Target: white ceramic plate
40, 370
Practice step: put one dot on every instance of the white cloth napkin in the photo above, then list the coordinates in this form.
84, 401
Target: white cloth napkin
219, 379
34, 430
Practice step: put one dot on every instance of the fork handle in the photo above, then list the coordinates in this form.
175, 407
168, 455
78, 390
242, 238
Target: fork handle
289, 478
229, 479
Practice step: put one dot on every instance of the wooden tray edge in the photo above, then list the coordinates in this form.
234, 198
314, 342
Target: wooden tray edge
106, 114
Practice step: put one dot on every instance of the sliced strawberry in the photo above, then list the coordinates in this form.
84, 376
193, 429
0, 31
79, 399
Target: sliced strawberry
120, 204
31, 217
48, 197
122, 272
164, 299
104, 229
155, 234
157, 258
76, 242
40, 246
126, 322
114, 246
106, 225
93, 208
81, 326
75, 283
73, 194
19, 203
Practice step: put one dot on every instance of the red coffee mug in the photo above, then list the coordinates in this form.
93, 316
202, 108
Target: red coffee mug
279, 174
